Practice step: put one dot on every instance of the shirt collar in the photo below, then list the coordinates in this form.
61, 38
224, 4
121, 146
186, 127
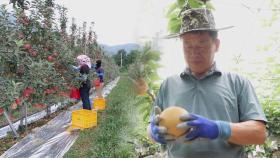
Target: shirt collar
213, 71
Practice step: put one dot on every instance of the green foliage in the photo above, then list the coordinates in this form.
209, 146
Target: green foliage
22, 4
271, 103
145, 67
274, 6
145, 105
37, 53
269, 94
121, 58
120, 126
109, 139
264, 151
10, 90
272, 111
127, 58
110, 67
146, 64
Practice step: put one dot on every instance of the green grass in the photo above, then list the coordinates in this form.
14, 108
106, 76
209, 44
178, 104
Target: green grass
115, 130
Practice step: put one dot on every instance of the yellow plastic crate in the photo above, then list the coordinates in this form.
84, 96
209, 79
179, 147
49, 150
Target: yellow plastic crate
99, 103
84, 118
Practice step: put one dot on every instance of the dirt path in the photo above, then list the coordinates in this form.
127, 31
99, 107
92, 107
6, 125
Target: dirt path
52, 139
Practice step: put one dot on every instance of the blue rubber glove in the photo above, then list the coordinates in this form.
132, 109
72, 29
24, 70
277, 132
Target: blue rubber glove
156, 132
202, 127
159, 133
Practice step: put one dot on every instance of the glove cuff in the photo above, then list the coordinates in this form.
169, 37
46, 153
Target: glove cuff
224, 130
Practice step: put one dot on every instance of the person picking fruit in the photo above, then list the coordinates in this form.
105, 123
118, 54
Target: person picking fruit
85, 86
224, 113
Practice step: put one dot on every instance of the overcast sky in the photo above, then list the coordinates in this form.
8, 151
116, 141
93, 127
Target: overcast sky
117, 21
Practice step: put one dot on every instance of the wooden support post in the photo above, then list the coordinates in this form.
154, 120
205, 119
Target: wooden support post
22, 125
11, 124
25, 112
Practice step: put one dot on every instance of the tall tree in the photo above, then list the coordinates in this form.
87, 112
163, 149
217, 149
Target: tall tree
121, 57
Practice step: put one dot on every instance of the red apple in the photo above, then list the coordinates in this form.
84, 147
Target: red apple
27, 46
1, 111
27, 91
18, 101
55, 88
50, 58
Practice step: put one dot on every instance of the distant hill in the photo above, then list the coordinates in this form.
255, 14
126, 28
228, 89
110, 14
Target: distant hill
112, 50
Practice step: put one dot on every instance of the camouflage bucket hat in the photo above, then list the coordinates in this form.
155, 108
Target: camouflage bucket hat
197, 19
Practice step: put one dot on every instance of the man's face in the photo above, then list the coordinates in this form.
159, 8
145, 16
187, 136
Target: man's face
199, 51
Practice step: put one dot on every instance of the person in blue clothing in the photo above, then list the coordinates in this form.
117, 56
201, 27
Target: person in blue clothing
224, 111
99, 70
100, 73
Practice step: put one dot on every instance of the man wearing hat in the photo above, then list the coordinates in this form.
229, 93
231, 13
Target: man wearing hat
224, 112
